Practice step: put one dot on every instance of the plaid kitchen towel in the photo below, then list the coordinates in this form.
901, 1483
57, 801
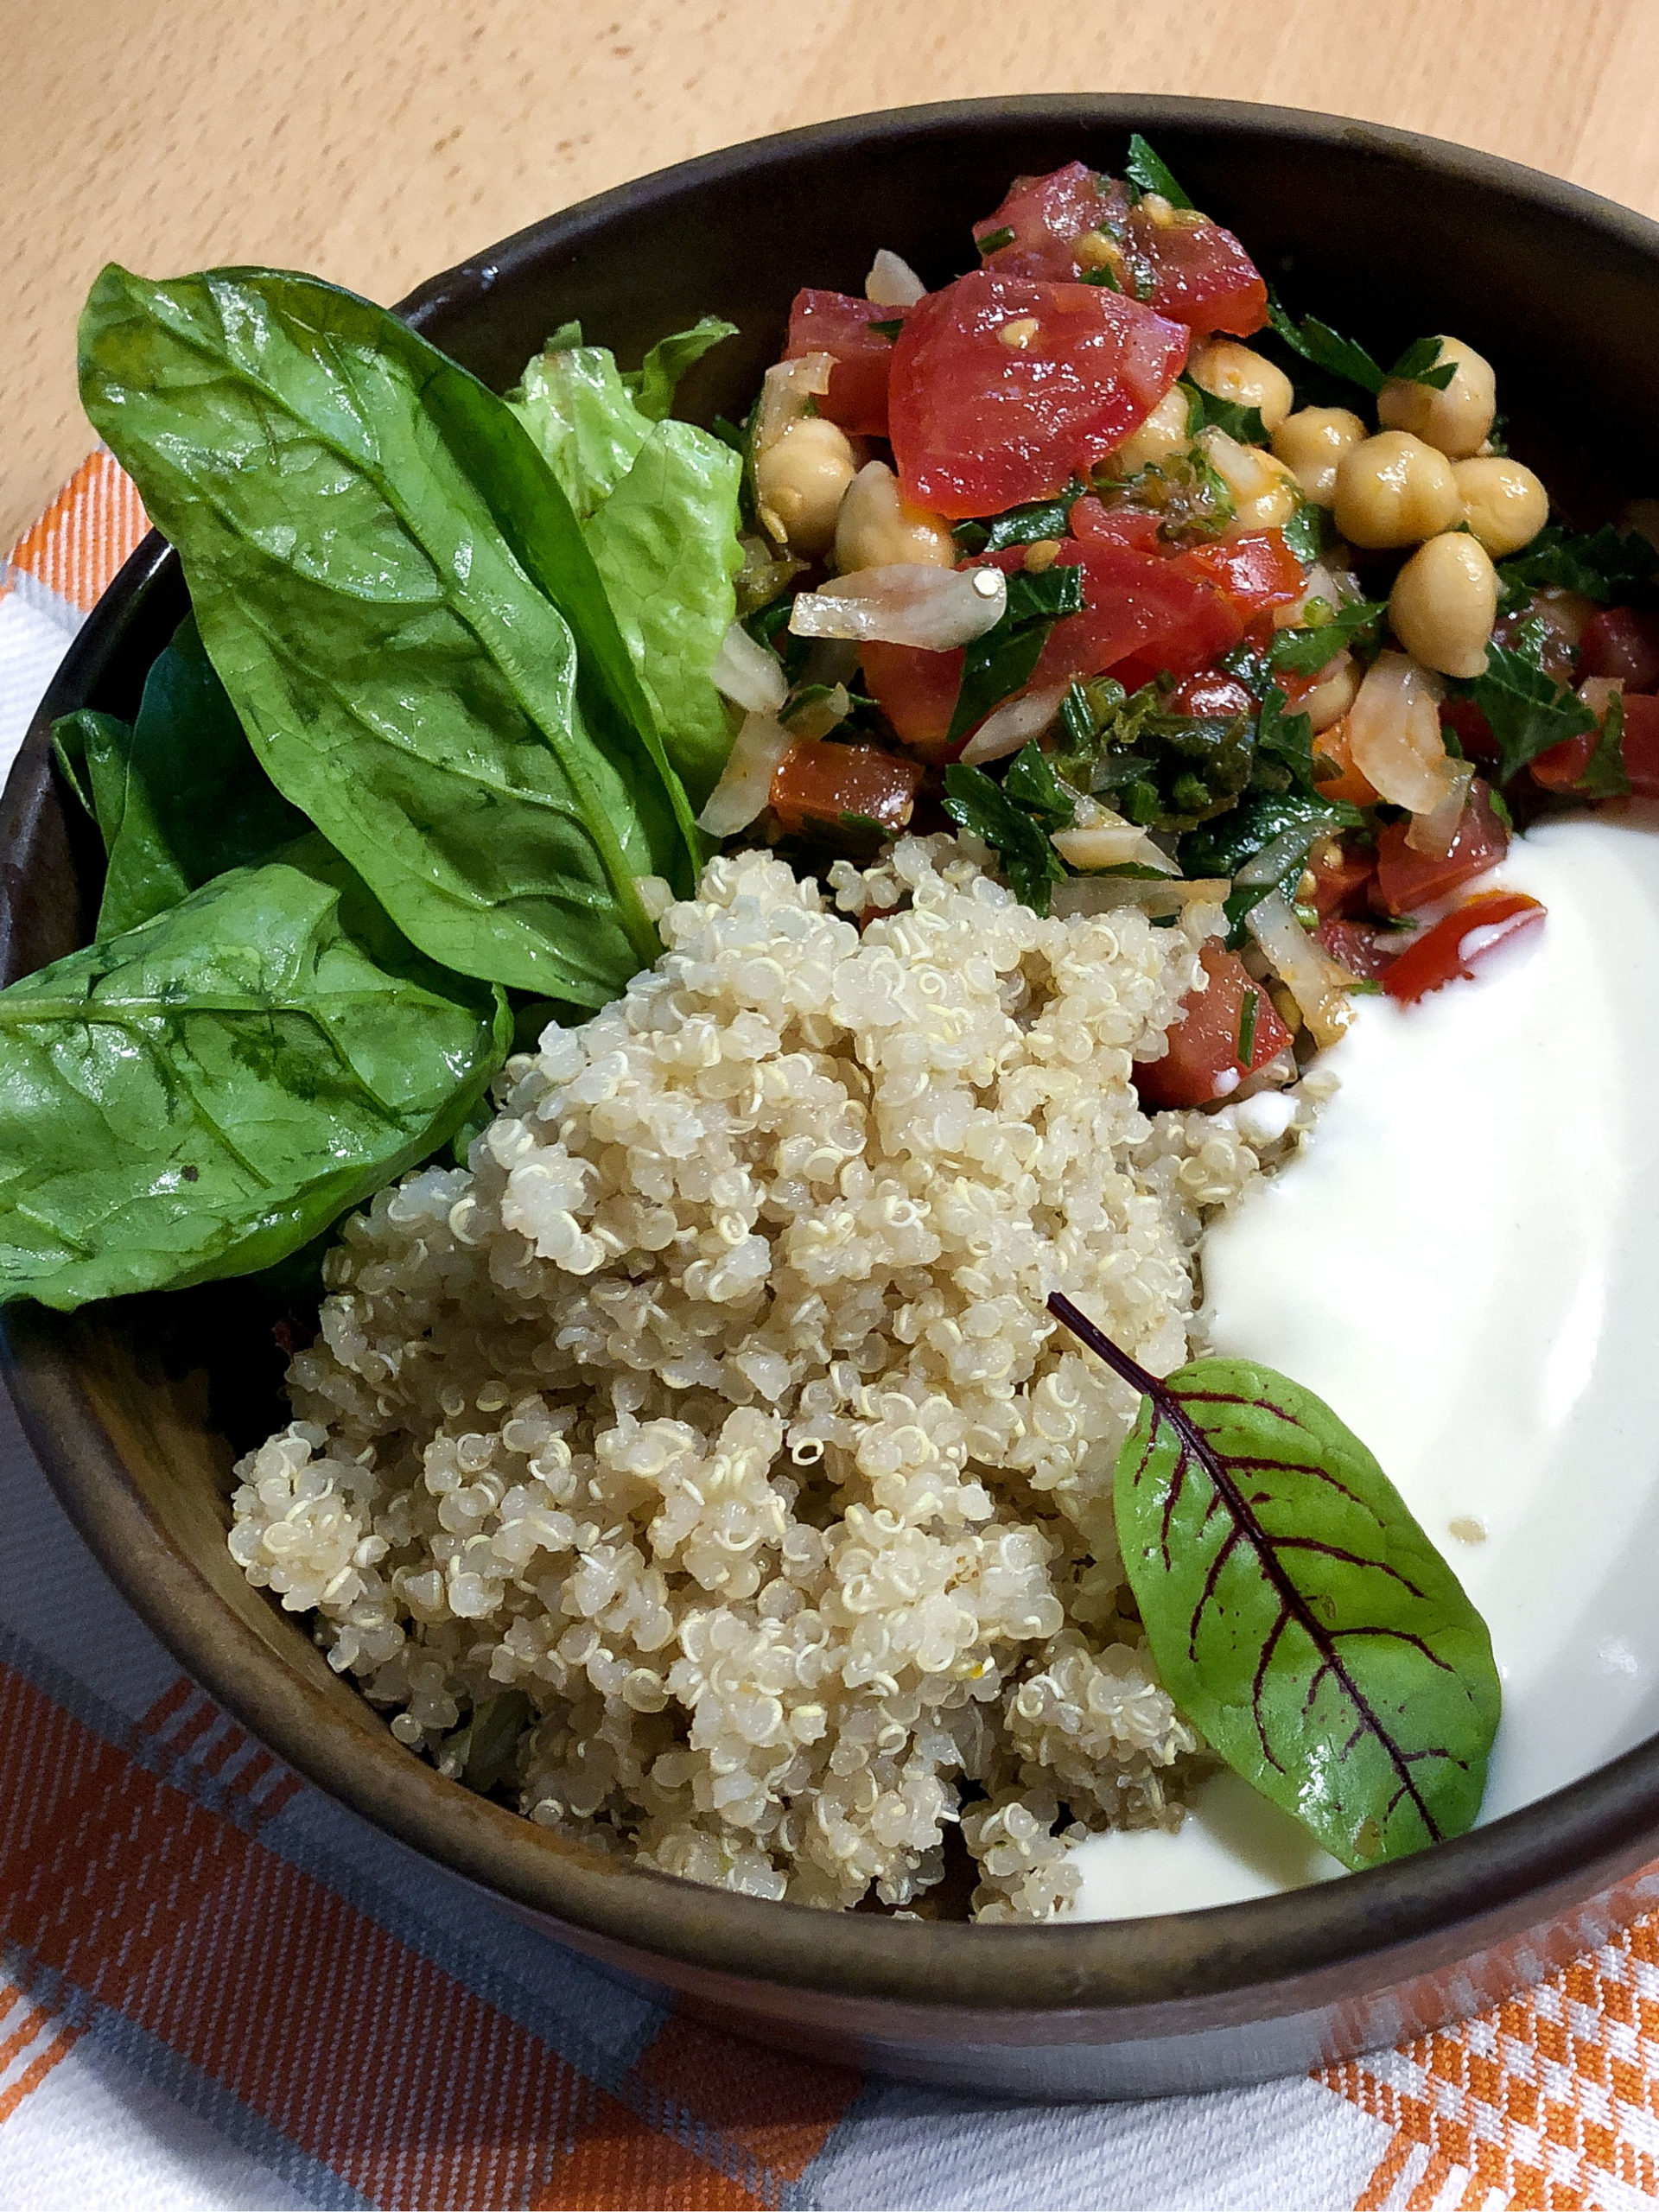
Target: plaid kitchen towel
219, 1989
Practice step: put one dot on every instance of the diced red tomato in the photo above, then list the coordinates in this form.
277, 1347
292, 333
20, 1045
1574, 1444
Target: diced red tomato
1142, 604
1341, 873
1364, 952
1407, 880
1203, 276
1554, 633
1202, 1045
1561, 766
1641, 743
979, 423
832, 322
1618, 641
1210, 692
917, 692
1334, 770
1256, 572
1470, 728
1092, 519
815, 783
1451, 947
1046, 216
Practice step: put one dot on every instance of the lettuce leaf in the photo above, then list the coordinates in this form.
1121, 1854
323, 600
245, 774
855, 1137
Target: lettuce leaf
659, 505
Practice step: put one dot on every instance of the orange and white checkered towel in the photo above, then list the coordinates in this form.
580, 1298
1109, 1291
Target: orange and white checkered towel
219, 1989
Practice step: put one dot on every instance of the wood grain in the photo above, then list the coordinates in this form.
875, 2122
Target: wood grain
377, 142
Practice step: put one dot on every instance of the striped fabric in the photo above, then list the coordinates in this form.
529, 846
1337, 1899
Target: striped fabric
219, 1990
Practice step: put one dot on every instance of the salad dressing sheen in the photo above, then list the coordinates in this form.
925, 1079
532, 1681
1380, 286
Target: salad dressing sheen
1462, 1263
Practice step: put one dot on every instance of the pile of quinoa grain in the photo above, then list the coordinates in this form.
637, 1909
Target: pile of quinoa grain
708, 1435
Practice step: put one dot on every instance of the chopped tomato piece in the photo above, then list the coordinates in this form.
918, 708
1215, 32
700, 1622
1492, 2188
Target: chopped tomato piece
1047, 215
1562, 765
1210, 692
1137, 604
1091, 518
1364, 952
1641, 743
1004, 388
1202, 1059
1455, 944
1470, 728
1334, 770
1618, 641
1340, 874
833, 322
1201, 275
817, 784
1256, 572
1407, 880
917, 692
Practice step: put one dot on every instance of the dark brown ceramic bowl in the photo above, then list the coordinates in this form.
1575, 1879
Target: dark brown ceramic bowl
138, 1409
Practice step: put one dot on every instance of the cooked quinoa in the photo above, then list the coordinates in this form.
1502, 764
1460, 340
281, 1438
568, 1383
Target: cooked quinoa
714, 1407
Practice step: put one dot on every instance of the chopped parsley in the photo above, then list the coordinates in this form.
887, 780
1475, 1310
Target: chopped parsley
975, 801
1526, 711
1148, 172
1421, 363
890, 329
1310, 533
1311, 646
1025, 526
1247, 1008
1604, 774
1605, 565
1205, 411
1345, 358
1000, 664
1102, 275
993, 241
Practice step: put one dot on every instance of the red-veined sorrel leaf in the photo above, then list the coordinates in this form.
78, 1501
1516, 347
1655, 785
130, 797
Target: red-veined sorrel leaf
1296, 1612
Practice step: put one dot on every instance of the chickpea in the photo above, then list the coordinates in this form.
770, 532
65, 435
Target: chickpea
1163, 433
1332, 695
1311, 441
1445, 602
1458, 421
877, 526
1503, 503
1395, 490
799, 481
1265, 493
1230, 370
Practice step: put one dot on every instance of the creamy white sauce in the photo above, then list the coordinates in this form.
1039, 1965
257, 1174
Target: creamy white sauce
1462, 1261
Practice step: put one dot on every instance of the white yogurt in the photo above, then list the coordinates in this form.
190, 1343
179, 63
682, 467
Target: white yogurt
1462, 1261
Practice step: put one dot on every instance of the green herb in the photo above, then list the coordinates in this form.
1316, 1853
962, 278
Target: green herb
1188, 491
1284, 746
1605, 565
482, 1752
1317, 342
865, 825
993, 241
1000, 664
651, 386
191, 800
1223, 846
890, 329
1526, 711
1604, 774
1304, 651
1310, 533
1102, 276
408, 625
1205, 411
202, 1095
1180, 769
1147, 173
1417, 366
1025, 526
1297, 1614
1029, 861
1030, 782
1247, 1006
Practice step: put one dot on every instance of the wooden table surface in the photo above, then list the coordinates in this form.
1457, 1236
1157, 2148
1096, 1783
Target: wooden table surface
376, 142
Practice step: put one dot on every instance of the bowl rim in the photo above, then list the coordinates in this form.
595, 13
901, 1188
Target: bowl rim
1513, 1872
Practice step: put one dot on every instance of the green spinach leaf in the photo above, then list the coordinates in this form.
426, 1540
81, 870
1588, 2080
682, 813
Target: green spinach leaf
399, 598
974, 802
997, 664
1297, 1614
203, 1095
91, 750
194, 802
1526, 711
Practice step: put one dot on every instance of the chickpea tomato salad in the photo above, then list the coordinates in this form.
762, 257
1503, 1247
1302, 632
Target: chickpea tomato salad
714, 981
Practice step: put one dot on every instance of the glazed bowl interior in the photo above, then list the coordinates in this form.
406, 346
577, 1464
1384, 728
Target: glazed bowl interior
138, 1409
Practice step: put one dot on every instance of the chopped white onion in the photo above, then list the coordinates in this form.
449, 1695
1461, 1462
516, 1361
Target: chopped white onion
1013, 724
747, 674
892, 282
909, 603
1306, 969
1100, 894
1099, 838
745, 785
817, 717
787, 387
1274, 860
1394, 733
1320, 584
1597, 691
1433, 833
